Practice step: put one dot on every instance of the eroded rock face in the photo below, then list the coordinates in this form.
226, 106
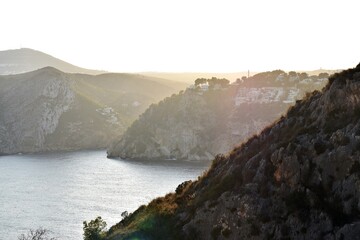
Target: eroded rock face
298, 179
32, 111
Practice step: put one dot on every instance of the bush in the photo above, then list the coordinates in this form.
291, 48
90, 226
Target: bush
38, 234
95, 229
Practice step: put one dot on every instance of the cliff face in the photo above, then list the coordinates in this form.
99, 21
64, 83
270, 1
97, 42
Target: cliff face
25, 124
200, 123
49, 110
298, 179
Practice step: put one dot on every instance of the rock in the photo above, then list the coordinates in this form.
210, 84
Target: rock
349, 232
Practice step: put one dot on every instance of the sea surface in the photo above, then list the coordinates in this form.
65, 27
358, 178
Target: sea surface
58, 191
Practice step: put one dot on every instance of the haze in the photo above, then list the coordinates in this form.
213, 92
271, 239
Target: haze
187, 36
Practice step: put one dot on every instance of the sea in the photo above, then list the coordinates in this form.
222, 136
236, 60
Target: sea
58, 191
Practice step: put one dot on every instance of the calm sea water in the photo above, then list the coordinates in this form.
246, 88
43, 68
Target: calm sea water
58, 191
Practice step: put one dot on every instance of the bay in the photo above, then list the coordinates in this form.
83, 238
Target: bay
58, 191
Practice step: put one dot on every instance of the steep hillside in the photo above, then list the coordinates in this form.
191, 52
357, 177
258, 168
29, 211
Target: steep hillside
203, 121
298, 179
48, 109
25, 60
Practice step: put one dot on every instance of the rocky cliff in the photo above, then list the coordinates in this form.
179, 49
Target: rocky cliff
297, 179
49, 110
201, 122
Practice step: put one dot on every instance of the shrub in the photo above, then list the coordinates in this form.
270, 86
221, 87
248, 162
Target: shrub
95, 229
182, 186
38, 234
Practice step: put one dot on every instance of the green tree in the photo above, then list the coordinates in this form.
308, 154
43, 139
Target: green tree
303, 76
95, 229
323, 75
223, 82
199, 81
292, 74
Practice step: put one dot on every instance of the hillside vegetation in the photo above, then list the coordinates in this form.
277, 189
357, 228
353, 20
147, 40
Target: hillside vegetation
213, 116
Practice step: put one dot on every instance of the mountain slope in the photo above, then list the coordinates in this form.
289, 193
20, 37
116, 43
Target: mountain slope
48, 109
25, 60
298, 179
201, 122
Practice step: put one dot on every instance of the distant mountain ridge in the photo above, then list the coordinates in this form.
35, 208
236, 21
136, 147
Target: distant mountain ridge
189, 77
25, 60
49, 110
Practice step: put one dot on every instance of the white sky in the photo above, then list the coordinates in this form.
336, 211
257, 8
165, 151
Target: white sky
187, 35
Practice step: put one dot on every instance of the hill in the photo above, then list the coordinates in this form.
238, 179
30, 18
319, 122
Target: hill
298, 179
49, 110
203, 121
25, 60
